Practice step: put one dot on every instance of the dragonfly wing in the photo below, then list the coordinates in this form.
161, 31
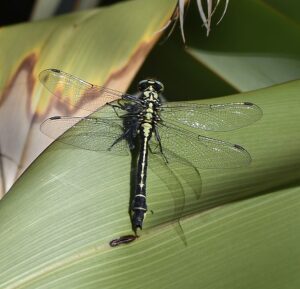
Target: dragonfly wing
77, 92
163, 171
96, 134
216, 117
175, 166
171, 157
198, 151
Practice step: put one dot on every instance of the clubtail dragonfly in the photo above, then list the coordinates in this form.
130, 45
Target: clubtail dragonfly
147, 123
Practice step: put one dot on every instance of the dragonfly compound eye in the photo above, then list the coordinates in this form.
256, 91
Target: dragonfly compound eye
158, 86
144, 84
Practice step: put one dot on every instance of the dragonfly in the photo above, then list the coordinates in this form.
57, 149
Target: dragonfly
148, 124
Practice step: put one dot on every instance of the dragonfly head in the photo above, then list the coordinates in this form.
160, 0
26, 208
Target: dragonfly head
150, 84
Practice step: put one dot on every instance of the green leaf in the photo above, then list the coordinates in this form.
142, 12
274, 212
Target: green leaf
247, 71
255, 46
61, 214
103, 46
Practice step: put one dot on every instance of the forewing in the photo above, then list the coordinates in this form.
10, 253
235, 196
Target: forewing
199, 151
77, 92
216, 117
96, 134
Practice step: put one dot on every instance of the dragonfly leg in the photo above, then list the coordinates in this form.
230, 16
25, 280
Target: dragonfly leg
120, 138
115, 107
157, 136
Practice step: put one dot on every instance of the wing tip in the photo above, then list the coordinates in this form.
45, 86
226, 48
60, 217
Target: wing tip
249, 103
46, 123
246, 154
255, 110
44, 74
54, 70
55, 117
239, 147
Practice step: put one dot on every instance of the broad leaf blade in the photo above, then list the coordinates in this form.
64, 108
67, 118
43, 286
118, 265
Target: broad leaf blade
95, 45
61, 214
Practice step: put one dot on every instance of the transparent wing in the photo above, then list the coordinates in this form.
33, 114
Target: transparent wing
163, 171
188, 173
77, 92
96, 134
217, 117
199, 151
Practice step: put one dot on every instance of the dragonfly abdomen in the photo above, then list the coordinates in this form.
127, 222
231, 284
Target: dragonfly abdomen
139, 205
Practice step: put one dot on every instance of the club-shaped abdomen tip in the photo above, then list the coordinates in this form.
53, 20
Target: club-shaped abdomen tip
139, 209
137, 219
